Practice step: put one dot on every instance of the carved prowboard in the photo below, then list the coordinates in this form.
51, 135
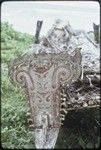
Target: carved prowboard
42, 75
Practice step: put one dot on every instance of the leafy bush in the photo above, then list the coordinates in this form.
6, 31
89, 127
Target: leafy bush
14, 129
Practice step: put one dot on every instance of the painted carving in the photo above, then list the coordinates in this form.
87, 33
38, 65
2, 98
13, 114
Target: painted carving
43, 75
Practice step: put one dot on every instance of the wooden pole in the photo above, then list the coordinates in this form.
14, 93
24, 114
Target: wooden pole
96, 32
38, 29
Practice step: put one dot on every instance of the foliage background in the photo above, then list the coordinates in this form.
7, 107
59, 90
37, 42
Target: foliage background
81, 128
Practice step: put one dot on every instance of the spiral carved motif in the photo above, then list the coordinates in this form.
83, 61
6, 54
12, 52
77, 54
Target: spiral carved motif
42, 82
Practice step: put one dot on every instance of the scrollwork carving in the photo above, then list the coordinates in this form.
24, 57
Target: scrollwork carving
19, 75
42, 75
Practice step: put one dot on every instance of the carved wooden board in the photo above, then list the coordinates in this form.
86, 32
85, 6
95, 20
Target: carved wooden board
42, 74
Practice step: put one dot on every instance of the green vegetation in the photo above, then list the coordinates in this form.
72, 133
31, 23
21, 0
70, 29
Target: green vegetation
14, 129
81, 129
13, 43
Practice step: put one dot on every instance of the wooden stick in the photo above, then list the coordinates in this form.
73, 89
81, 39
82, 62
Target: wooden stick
69, 109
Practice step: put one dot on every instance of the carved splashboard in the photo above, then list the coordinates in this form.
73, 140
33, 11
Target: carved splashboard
42, 75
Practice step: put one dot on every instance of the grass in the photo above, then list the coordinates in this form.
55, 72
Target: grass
14, 107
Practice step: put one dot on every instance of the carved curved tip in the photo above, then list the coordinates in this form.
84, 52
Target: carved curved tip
31, 126
28, 114
64, 110
30, 120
